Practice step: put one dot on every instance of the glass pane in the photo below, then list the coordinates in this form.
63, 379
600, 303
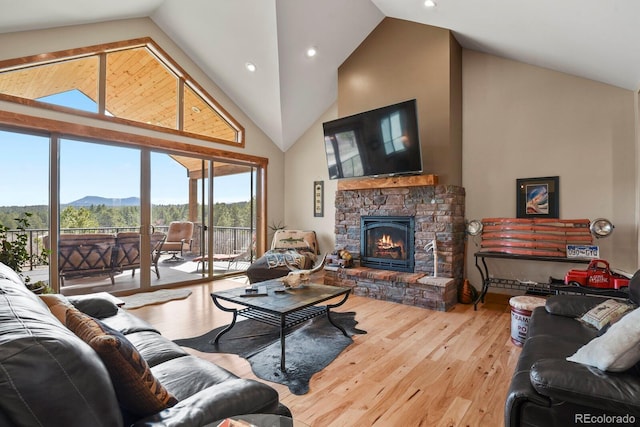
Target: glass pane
141, 88
175, 211
233, 217
201, 119
99, 207
26, 158
61, 83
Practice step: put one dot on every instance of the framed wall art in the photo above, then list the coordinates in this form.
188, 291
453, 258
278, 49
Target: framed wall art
538, 197
318, 198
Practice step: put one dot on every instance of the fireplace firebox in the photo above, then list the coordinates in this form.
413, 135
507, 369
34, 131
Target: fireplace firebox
387, 242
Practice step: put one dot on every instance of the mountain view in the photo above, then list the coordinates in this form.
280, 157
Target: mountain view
97, 201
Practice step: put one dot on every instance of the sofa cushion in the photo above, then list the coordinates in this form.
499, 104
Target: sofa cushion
127, 323
560, 328
137, 389
48, 376
617, 350
571, 305
94, 306
605, 313
155, 348
7, 273
295, 239
58, 305
188, 375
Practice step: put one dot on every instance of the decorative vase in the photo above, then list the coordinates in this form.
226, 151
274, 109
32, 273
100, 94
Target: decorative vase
467, 294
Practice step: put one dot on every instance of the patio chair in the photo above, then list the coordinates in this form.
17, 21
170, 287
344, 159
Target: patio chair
230, 259
179, 239
81, 255
127, 256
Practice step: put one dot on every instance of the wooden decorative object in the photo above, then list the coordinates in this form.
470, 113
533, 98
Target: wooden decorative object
467, 294
389, 182
534, 237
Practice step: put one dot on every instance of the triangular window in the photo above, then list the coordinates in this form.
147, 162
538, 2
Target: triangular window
132, 81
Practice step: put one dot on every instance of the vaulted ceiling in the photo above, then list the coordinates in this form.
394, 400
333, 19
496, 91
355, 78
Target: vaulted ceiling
289, 91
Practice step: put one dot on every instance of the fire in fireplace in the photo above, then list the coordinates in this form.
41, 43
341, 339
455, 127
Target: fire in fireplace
387, 242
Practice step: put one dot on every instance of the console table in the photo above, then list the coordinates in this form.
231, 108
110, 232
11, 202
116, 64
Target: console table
554, 286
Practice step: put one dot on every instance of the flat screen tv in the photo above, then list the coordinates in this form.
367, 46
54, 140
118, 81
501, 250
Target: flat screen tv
380, 142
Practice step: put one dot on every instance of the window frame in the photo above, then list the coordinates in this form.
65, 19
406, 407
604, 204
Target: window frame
101, 51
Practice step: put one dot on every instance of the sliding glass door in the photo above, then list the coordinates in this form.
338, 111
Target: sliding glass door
110, 217
179, 207
24, 203
234, 208
99, 237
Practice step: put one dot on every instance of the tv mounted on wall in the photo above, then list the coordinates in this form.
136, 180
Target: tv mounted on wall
380, 142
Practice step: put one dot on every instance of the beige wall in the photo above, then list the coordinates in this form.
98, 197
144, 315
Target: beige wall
403, 60
521, 121
257, 143
305, 163
399, 60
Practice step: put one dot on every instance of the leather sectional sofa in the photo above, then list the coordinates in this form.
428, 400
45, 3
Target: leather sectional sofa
86, 362
546, 390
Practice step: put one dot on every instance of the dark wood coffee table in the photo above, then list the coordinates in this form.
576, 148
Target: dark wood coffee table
283, 309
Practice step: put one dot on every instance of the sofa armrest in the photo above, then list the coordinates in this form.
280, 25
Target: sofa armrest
229, 398
566, 381
571, 305
521, 392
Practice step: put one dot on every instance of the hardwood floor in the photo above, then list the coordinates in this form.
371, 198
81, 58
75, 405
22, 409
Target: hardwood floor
414, 367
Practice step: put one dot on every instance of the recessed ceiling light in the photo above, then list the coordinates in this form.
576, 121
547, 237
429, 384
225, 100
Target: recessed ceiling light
195, 109
311, 52
430, 3
250, 66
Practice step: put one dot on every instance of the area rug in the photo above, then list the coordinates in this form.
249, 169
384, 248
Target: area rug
155, 297
310, 347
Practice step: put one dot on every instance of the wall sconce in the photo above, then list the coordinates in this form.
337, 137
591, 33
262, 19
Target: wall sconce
474, 227
601, 228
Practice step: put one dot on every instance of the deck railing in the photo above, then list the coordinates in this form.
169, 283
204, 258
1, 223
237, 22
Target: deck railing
226, 240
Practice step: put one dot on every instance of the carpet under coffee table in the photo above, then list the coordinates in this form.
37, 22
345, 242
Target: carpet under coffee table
274, 305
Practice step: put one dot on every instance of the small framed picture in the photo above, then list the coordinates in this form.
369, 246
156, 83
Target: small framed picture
318, 198
538, 197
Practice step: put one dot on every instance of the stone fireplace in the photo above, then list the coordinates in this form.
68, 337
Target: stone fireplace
437, 213
387, 242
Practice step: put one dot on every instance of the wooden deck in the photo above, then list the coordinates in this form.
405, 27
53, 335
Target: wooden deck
170, 273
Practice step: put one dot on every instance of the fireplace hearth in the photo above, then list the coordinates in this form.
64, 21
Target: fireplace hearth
387, 242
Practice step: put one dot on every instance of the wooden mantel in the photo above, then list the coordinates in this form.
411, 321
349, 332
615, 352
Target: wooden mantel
388, 182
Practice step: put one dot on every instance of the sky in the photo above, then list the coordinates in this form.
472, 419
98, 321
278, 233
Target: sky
89, 169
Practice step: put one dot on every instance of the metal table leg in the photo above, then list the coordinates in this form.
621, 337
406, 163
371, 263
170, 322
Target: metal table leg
330, 306
231, 325
282, 341
484, 274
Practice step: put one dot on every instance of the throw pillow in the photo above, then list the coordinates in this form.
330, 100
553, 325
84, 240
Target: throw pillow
617, 350
94, 306
605, 313
137, 389
58, 306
